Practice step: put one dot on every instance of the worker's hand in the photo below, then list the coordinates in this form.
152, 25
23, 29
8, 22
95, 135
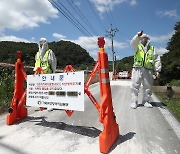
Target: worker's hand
156, 75
140, 33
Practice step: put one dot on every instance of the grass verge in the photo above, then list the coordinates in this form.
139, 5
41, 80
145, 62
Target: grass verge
173, 104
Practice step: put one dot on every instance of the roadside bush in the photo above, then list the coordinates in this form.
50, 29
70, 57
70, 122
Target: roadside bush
6, 88
174, 83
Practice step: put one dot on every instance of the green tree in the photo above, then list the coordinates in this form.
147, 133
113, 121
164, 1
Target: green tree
171, 60
6, 87
125, 64
67, 53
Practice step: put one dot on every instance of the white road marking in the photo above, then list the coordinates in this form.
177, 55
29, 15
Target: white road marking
168, 116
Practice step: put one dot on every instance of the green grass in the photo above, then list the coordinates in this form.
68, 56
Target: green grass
173, 104
4, 106
6, 91
174, 83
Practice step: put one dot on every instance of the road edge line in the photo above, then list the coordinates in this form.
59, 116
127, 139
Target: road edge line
168, 116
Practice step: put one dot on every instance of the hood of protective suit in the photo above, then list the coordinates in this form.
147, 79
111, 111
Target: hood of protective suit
43, 47
145, 41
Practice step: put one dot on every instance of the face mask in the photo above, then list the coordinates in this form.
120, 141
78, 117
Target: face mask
41, 45
144, 42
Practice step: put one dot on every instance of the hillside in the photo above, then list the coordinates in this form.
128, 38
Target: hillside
66, 53
124, 64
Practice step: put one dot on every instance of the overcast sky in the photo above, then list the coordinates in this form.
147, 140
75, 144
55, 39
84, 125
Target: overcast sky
29, 20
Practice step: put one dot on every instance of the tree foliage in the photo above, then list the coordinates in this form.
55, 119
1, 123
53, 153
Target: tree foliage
6, 87
125, 64
171, 60
67, 53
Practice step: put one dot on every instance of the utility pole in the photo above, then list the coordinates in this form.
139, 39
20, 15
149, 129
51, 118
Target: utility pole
111, 34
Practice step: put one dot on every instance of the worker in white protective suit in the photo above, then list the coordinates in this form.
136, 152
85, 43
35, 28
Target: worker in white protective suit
146, 63
45, 58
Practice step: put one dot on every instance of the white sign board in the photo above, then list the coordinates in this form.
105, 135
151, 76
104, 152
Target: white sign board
58, 91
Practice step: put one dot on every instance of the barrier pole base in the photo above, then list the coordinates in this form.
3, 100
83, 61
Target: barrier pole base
108, 138
22, 112
11, 118
16, 116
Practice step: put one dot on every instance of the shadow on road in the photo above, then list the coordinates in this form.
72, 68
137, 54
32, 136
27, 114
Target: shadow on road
121, 139
154, 104
10, 149
158, 104
29, 118
82, 130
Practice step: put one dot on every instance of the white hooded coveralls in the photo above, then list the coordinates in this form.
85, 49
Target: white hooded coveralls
143, 75
51, 57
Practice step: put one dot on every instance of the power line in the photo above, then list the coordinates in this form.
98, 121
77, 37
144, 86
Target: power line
114, 20
96, 15
68, 15
82, 16
106, 11
74, 19
111, 13
124, 36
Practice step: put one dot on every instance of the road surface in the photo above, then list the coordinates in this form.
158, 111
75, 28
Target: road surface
142, 130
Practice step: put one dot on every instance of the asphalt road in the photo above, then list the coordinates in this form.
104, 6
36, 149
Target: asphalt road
142, 130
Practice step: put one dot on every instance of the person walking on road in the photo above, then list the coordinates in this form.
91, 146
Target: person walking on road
146, 63
45, 58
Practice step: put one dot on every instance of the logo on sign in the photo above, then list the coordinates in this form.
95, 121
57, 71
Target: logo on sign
39, 102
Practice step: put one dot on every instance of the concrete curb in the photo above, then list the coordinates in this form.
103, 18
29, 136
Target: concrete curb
162, 89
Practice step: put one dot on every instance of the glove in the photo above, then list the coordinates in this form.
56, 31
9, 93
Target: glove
156, 75
140, 33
